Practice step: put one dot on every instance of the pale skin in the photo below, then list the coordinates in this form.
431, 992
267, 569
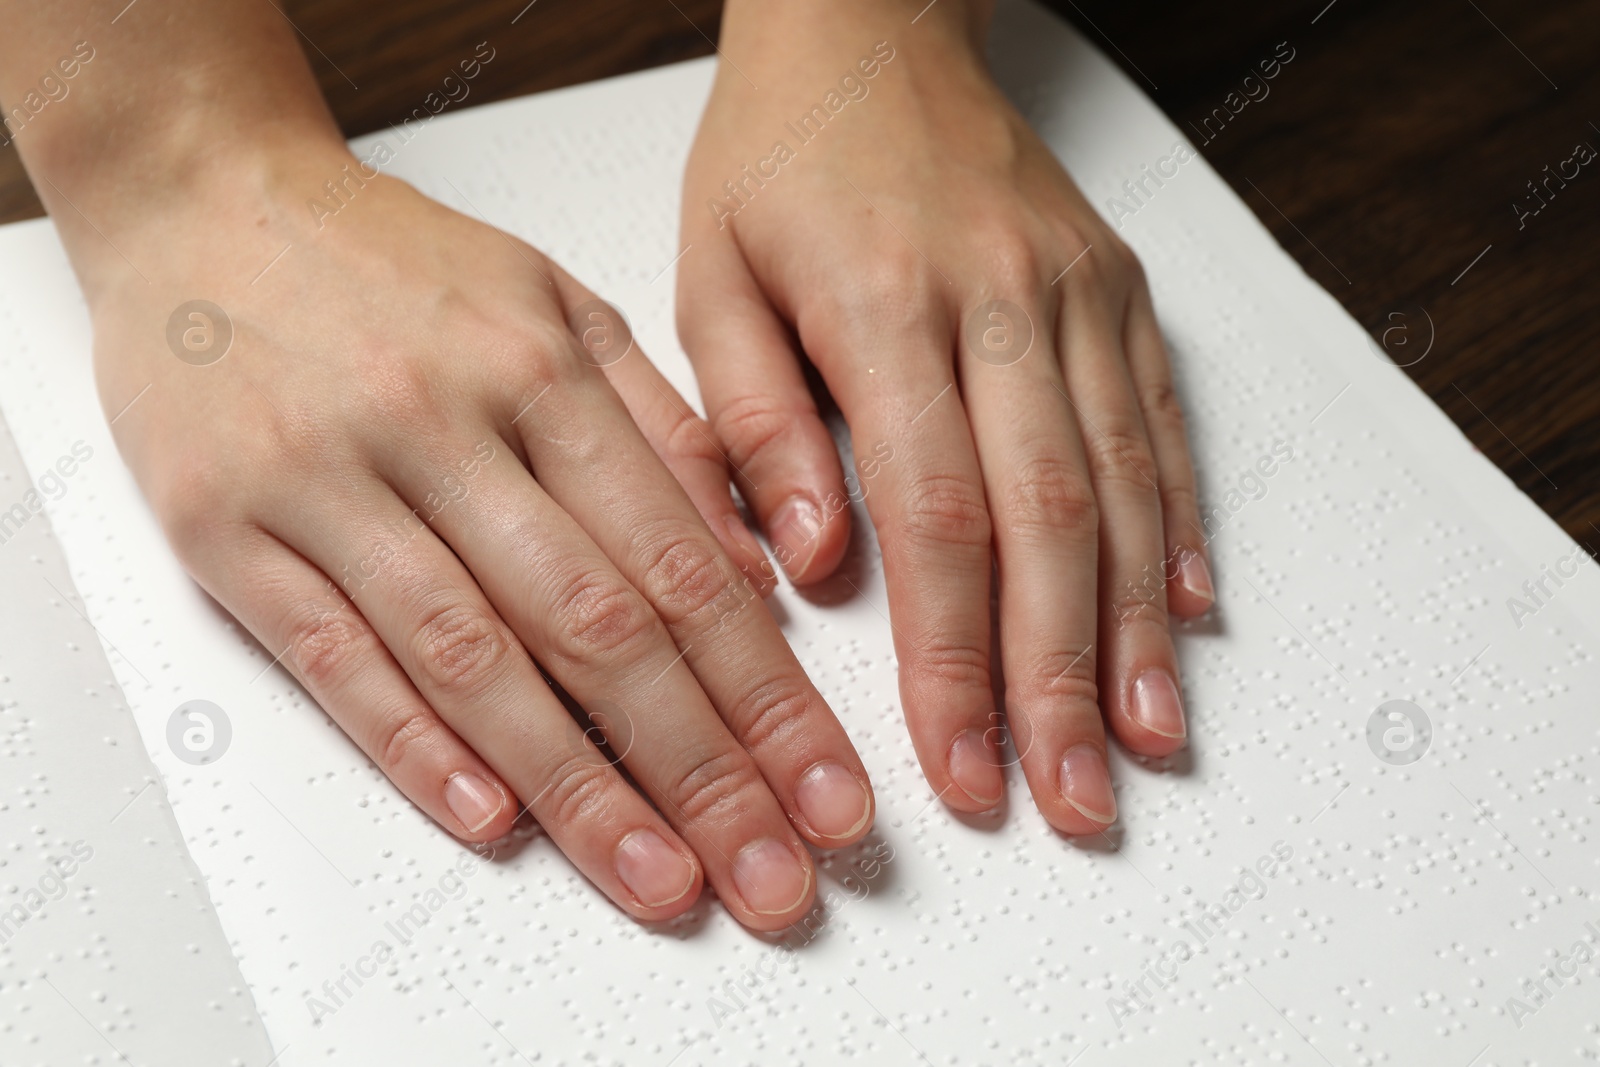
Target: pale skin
401, 351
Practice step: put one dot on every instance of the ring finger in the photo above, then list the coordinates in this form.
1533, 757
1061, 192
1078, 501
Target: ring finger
1138, 666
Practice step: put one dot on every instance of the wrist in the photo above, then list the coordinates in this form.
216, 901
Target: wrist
195, 195
757, 26
127, 175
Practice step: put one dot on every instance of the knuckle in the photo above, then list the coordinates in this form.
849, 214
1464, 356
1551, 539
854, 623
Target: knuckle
192, 498
723, 784
324, 644
1144, 601
393, 385
599, 616
1159, 401
536, 356
576, 791
1121, 455
954, 664
751, 425
1094, 265
459, 648
691, 437
1014, 263
1126, 261
1048, 495
896, 294
399, 736
1178, 499
686, 576
1058, 674
772, 712
946, 510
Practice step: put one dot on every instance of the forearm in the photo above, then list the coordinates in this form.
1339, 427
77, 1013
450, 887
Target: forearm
119, 122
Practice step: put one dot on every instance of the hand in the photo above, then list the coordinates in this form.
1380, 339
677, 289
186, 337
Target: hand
877, 206
407, 472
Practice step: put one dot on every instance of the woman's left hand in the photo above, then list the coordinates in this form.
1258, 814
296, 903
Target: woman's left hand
861, 195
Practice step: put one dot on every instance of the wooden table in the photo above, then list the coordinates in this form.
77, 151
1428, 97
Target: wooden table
1390, 157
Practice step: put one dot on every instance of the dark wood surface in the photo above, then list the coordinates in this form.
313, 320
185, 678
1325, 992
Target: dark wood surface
1388, 156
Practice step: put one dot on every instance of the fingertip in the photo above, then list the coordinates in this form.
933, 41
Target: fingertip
809, 538
835, 805
479, 806
1085, 783
1191, 593
1154, 722
974, 767
776, 883
664, 880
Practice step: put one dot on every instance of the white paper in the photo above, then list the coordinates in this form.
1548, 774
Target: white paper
1376, 566
109, 947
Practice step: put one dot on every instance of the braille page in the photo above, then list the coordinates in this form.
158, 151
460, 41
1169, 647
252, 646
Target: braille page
109, 948
1375, 850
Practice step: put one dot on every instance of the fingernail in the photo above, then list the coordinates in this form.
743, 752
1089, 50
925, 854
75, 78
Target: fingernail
796, 533
1156, 704
770, 877
1194, 575
473, 801
833, 801
654, 872
758, 569
975, 767
1087, 785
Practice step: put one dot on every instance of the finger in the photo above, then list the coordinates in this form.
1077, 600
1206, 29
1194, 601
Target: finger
731, 644
763, 412
296, 612
468, 665
684, 441
1138, 666
1046, 530
1187, 569
927, 503
600, 639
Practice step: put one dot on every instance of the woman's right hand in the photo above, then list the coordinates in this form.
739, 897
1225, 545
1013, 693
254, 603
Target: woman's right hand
407, 471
